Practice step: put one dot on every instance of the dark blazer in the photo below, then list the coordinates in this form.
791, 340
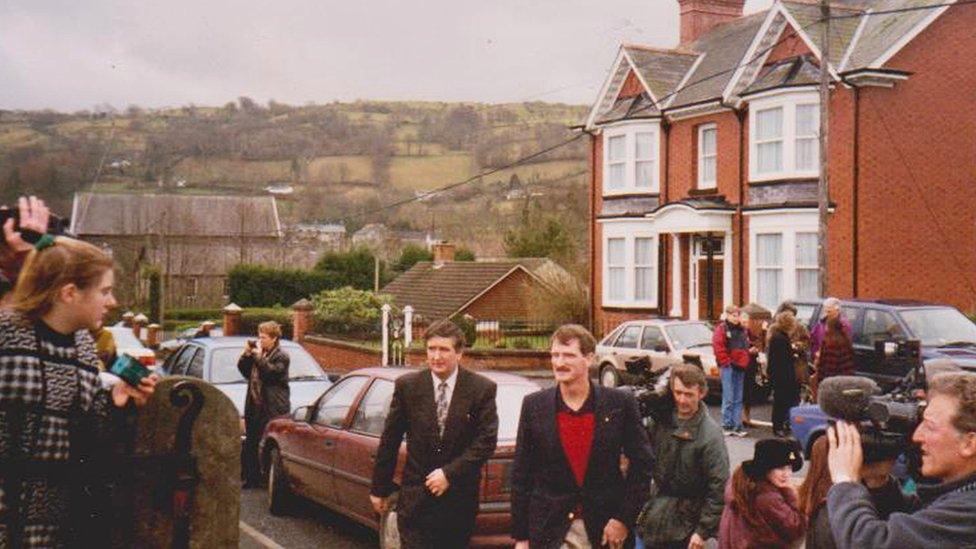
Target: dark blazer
273, 384
544, 491
470, 436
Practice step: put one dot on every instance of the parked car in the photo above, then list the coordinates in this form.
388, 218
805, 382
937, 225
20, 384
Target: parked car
665, 342
214, 359
944, 333
167, 347
325, 452
127, 343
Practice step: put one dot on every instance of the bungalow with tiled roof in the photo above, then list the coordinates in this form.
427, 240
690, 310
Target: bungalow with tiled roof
486, 290
705, 159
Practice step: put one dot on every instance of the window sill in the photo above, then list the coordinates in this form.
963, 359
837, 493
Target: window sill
704, 192
623, 193
783, 178
629, 304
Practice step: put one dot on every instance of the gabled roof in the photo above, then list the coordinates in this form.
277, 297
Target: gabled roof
117, 214
438, 291
728, 59
796, 71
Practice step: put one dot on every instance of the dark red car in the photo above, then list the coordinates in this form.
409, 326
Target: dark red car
325, 452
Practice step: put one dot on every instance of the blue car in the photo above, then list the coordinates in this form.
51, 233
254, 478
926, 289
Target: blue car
214, 359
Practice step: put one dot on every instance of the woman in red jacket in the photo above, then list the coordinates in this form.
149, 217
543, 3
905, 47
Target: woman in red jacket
836, 355
761, 505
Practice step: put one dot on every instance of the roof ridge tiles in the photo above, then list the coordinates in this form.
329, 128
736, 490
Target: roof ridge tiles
680, 50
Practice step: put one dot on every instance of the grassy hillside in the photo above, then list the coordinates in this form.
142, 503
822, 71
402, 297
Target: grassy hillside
342, 158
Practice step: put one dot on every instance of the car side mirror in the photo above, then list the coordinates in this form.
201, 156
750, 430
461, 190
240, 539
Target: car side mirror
302, 413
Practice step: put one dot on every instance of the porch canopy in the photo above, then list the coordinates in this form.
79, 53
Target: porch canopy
695, 216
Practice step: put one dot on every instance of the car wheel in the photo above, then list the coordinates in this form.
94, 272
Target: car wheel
389, 531
609, 377
279, 495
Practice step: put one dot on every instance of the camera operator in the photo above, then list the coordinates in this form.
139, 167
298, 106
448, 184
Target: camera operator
264, 364
942, 513
33, 221
691, 468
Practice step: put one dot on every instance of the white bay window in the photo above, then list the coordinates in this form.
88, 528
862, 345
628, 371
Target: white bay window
783, 262
784, 130
630, 158
629, 264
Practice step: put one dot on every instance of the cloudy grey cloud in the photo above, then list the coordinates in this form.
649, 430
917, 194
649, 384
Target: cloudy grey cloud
73, 55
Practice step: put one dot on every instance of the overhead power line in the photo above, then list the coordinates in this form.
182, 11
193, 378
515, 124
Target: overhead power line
687, 85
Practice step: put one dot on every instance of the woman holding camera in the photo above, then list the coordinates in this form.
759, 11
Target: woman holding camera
57, 420
760, 500
264, 364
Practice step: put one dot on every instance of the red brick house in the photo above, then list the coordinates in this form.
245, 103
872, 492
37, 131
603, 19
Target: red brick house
705, 160
486, 290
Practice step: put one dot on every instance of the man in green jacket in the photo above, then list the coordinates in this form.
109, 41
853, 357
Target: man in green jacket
691, 467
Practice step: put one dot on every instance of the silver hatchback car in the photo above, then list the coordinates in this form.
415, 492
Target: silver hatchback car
665, 342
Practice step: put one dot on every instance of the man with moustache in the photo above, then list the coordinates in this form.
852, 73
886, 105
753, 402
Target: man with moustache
568, 486
450, 421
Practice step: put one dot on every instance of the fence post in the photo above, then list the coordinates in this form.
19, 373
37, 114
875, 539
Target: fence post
301, 319
232, 319
407, 327
386, 334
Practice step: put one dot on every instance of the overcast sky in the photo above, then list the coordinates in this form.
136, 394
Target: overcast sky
71, 55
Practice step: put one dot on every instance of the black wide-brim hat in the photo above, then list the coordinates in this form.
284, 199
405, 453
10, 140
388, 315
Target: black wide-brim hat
773, 453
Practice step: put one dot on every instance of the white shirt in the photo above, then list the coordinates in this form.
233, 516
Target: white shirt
451, 382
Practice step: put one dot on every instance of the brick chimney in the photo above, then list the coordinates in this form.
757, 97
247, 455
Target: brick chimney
700, 16
443, 251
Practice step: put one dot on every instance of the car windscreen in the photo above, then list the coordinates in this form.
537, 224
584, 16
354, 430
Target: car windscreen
125, 339
684, 336
508, 400
940, 326
223, 368
804, 313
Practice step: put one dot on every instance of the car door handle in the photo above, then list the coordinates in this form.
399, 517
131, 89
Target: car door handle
372, 456
329, 444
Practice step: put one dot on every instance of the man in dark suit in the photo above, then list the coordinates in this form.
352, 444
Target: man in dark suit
449, 418
568, 487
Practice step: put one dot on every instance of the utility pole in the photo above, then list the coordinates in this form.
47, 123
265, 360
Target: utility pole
823, 187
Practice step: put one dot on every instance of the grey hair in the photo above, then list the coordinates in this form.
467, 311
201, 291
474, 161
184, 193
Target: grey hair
829, 302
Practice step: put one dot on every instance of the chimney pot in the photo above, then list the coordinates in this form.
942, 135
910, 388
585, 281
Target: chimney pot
443, 252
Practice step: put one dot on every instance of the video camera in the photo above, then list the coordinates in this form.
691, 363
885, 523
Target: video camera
654, 398
55, 225
887, 421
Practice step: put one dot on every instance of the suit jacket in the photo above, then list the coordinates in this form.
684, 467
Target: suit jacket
544, 491
470, 436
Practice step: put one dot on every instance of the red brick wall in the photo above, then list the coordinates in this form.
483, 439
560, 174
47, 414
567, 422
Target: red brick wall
630, 87
508, 300
789, 44
918, 170
341, 356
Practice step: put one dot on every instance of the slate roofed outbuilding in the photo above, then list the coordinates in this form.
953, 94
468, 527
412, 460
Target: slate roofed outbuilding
438, 291
121, 214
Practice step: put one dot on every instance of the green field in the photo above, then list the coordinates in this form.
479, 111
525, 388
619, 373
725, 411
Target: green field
423, 173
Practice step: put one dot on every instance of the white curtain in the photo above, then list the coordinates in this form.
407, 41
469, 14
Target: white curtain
769, 263
769, 139
645, 157
807, 144
644, 269
617, 161
616, 269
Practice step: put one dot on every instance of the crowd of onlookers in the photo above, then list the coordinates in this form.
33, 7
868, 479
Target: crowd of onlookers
752, 352
589, 470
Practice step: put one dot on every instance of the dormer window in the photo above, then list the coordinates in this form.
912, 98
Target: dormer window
630, 159
784, 130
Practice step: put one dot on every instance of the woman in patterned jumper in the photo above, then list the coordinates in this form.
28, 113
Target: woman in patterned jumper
55, 414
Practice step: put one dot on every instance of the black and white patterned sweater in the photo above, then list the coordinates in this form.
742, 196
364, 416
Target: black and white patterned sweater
55, 418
